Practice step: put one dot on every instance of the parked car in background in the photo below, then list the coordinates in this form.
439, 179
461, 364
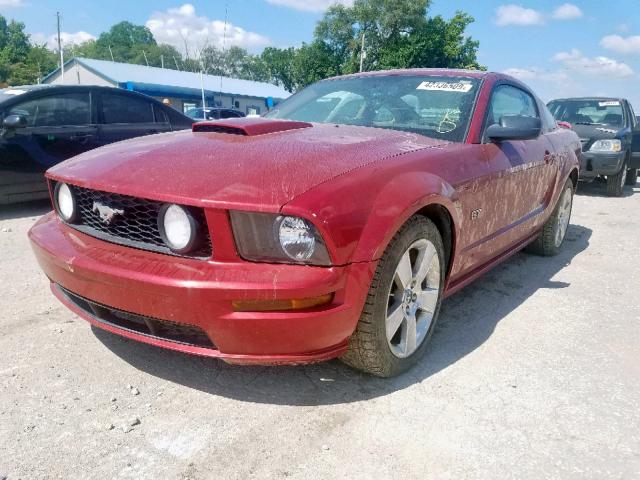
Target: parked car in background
332, 227
213, 113
610, 136
43, 125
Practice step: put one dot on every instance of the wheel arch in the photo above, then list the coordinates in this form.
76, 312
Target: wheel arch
442, 219
425, 194
573, 176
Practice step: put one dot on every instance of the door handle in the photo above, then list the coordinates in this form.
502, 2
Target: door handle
81, 137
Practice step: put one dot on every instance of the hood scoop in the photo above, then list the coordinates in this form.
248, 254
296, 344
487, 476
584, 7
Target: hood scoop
248, 127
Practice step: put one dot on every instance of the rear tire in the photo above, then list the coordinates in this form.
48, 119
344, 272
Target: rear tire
555, 229
632, 177
402, 307
615, 183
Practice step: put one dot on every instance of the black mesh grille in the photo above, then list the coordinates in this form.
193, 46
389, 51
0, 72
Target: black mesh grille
136, 226
151, 327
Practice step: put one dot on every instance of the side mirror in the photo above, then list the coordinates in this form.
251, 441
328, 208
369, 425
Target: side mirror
11, 122
515, 127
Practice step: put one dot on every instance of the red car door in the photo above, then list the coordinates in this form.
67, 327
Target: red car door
503, 203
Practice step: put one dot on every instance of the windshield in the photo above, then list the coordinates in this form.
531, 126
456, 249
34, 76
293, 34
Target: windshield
195, 113
8, 93
437, 107
588, 112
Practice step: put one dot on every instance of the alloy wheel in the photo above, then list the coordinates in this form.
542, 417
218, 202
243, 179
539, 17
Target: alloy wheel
413, 298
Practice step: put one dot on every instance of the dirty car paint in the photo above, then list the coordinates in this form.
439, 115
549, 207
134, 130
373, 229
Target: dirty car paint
357, 185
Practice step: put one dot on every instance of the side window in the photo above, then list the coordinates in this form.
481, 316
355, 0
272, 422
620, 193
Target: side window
56, 110
125, 109
509, 100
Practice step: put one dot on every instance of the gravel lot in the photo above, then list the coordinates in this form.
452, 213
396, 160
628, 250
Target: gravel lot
533, 372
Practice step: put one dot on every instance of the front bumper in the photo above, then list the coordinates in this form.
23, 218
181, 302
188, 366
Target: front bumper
594, 164
198, 294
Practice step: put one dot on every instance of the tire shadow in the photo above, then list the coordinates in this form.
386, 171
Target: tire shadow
467, 320
598, 188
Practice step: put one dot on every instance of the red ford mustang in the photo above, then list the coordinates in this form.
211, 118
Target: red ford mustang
332, 227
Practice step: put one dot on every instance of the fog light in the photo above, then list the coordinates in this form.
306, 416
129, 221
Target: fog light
65, 202
178, 228
281, 305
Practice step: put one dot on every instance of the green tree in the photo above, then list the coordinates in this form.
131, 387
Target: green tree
398, 34
20, 61
279, 66
125, 41
314, 62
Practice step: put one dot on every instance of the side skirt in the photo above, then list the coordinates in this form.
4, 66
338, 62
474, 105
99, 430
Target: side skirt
482, 269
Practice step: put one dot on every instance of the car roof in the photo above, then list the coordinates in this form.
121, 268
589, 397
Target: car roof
580, 99
433, 72
7, 94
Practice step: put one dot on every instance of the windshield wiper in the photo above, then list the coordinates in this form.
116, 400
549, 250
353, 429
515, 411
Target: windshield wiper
587, 123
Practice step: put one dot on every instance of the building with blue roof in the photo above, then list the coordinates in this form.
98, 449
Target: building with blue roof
183, 90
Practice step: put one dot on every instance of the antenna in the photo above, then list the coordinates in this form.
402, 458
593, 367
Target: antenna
60, 49
162, 61
111, 52
145, 57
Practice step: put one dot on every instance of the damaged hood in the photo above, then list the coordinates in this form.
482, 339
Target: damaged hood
233, 168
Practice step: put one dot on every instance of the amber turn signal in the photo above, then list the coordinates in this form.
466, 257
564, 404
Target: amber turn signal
280, 305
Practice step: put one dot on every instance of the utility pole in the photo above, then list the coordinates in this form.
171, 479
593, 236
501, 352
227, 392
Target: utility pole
363, 54
60, 49
176, 62
111, 52
162, 61
224, 42
202, 90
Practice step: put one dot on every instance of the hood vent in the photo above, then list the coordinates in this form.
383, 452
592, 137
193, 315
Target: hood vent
248, 127
211, 127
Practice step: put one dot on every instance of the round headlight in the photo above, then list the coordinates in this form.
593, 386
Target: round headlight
65, 202
297, 238
178, 228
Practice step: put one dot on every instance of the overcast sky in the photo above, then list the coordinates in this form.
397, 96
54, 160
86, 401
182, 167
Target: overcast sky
588, 47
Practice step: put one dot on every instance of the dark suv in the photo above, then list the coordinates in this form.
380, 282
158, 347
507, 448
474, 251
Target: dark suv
45, 124
610, 135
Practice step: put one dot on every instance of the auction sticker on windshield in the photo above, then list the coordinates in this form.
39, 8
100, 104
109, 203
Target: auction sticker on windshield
610, 103
446, 86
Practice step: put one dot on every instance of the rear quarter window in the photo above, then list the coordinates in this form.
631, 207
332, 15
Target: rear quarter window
126, 109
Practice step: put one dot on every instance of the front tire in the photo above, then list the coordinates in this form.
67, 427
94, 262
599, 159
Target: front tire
555, 229
632, 176
403, 302
615, 183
